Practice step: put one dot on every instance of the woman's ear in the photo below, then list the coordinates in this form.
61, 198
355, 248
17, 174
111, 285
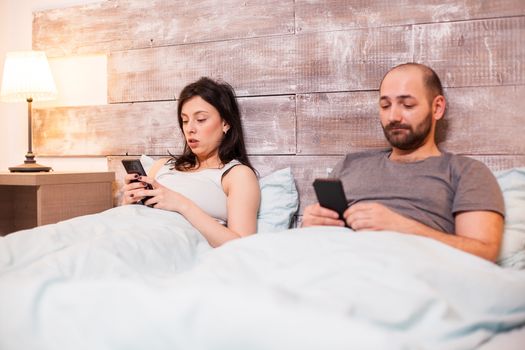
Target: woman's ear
225, 128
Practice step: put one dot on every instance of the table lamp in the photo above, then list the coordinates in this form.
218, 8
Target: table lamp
27, 77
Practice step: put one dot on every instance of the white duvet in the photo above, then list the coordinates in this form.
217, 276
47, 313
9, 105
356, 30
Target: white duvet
139, 278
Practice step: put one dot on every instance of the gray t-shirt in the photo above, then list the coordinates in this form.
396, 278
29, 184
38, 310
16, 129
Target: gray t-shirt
430, 191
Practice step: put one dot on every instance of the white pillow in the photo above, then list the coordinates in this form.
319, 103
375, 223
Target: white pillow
512, 183
279, 201
279, 198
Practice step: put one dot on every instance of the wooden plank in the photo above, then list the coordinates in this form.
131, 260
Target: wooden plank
59, 202
338, 123
335, 61
351, 60
121, 25
474, 53
329, 15
252, 66
500, 162
484, 120
152, 128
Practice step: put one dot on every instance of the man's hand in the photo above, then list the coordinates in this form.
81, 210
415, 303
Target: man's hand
315, 215
375, 216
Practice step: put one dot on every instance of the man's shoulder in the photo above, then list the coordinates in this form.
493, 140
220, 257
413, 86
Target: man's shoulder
461, 163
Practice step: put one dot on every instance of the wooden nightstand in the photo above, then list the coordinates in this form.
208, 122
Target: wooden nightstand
32, 199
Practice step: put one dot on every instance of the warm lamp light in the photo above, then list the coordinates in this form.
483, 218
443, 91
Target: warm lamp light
27, 77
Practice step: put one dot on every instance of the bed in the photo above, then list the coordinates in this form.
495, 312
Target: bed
134, 277
306, 74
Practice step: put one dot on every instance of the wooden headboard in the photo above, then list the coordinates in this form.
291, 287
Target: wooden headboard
306, 74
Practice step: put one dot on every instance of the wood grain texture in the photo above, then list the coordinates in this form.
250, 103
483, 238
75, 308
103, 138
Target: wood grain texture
329, 15
259, 66
122, 25
484, 120
63, 201
152, 128
338, 123
500, 162
335, 61
474, 53
350, 60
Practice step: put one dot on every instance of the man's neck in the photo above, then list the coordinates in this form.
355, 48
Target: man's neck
418, 154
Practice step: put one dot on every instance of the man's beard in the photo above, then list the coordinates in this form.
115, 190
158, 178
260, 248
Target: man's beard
408, 140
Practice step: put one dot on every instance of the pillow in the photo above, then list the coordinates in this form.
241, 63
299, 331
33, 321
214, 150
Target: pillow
279, 198
279, 201
512, 183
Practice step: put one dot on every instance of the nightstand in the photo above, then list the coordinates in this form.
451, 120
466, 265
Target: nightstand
33, 199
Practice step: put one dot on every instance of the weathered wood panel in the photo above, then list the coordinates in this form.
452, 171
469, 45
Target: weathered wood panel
485, 120
252, 66
501, 162
152, 128
122, 25
338, 123
350, 60
474, 53
328, 15
335, 61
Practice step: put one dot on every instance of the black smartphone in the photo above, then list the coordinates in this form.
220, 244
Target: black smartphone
331, 195
134, 166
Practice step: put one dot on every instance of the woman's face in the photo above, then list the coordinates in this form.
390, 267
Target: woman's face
203, 128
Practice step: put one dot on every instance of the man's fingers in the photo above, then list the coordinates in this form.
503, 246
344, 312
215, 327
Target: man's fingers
324, 212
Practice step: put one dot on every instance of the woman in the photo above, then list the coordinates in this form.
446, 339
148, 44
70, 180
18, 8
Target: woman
212, 184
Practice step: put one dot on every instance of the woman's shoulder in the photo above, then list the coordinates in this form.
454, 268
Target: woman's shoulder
159, 163
238, 172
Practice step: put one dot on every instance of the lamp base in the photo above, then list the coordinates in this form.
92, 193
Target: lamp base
29, 168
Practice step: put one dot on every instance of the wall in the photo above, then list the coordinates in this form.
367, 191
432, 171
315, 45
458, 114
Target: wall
81, 80
306, 72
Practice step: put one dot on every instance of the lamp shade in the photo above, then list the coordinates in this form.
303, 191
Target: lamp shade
27, 75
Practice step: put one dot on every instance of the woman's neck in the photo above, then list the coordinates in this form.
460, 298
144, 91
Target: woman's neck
212, 162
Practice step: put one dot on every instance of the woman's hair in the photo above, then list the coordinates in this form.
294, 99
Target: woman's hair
221, 96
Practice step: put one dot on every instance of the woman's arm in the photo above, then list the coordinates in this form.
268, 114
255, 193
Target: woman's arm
243, 197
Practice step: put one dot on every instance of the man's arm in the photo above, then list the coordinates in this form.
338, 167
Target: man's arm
477, 232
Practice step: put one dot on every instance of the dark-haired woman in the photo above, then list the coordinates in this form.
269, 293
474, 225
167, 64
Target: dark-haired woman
212, 184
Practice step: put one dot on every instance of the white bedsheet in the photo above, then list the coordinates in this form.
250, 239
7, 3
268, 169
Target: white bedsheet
139, 278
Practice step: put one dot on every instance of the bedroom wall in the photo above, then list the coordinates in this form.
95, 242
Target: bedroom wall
16, 17
306, 72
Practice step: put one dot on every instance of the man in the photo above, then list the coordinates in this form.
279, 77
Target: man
414, 187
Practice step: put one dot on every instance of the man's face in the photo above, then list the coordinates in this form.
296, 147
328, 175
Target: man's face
405, 111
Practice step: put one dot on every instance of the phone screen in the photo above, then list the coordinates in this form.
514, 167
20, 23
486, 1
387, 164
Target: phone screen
134, 166
331, 195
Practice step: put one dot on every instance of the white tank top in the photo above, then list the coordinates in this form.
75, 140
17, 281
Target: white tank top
203, 187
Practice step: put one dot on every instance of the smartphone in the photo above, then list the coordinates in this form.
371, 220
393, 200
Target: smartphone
331, 195
134, 166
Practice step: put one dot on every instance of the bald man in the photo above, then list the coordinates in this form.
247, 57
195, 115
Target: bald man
414, 187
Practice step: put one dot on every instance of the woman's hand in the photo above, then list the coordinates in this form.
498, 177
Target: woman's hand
132, 189
162, 197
